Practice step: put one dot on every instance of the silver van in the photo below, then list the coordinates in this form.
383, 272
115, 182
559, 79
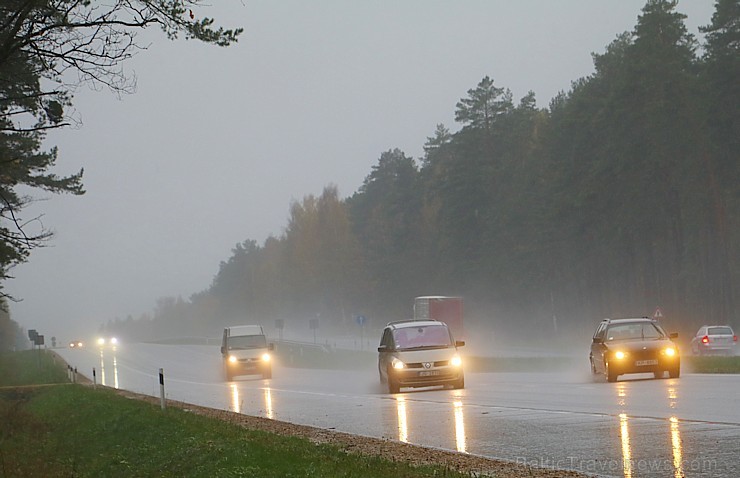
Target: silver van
419, 353
245, 351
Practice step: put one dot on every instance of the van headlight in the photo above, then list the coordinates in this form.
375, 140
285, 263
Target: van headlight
265, 357
619, 355
397, 364
456, 361
232, 358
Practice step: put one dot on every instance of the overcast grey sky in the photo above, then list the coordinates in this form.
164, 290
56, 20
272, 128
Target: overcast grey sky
215, 143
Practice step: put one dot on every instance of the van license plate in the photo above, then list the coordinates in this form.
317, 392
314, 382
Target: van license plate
428, 373
642, 363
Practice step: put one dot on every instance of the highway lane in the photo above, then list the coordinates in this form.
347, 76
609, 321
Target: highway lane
633, 428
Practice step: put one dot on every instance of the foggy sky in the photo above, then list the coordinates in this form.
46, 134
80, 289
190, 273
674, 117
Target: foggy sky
216, 143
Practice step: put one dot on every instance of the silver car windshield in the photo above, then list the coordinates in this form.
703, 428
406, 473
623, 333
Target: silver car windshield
635, 331
428, 336
720, 331
241, 342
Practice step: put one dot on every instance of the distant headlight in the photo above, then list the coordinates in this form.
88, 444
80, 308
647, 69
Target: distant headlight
101, 341
619, 355
456, 361
265, 357
114, 340
398, 365
232, 358
670, 351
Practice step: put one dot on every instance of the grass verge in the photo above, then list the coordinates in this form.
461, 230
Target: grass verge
31, 367
711, 364
74, 430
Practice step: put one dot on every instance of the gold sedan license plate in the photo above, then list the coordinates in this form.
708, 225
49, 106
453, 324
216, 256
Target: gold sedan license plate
642, 363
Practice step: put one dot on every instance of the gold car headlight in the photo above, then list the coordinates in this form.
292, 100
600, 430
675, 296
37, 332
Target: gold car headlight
265, 357
456, 361
398, 365
232, 358
619, 355
669, 351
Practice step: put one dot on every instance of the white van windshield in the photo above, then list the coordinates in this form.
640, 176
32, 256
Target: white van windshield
241, 342
427, 336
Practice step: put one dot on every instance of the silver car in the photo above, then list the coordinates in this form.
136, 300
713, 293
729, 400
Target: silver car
419, 353
714, 340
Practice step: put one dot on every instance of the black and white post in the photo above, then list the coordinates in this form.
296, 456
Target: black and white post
161, 388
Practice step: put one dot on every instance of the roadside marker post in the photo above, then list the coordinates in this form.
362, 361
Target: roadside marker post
161, 388
95, 380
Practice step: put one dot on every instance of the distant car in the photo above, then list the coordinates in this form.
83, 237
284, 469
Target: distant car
633, 345
714, 340
75, 344
111, 341
419, 353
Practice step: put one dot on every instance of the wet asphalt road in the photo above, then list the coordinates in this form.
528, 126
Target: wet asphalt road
636, 427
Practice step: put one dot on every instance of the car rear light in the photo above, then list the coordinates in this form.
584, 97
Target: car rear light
734, 338
705, 339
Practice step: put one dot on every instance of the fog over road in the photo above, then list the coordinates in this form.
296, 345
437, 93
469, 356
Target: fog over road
633, 428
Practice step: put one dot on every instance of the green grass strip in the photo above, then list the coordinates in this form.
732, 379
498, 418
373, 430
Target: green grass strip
72, 430
31, 367
711, 364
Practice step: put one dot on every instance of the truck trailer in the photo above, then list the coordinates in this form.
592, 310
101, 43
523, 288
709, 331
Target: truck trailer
445, 309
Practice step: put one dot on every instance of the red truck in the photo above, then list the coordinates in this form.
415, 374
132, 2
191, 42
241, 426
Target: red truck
445, 309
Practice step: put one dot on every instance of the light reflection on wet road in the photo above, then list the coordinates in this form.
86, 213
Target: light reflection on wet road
633, 428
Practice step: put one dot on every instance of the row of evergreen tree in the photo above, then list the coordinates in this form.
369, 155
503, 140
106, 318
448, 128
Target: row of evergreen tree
622, 195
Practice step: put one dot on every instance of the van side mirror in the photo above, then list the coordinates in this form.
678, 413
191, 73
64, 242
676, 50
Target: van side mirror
674, 335
382, 348
223, 350
270, 346
459, 343
598, 340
